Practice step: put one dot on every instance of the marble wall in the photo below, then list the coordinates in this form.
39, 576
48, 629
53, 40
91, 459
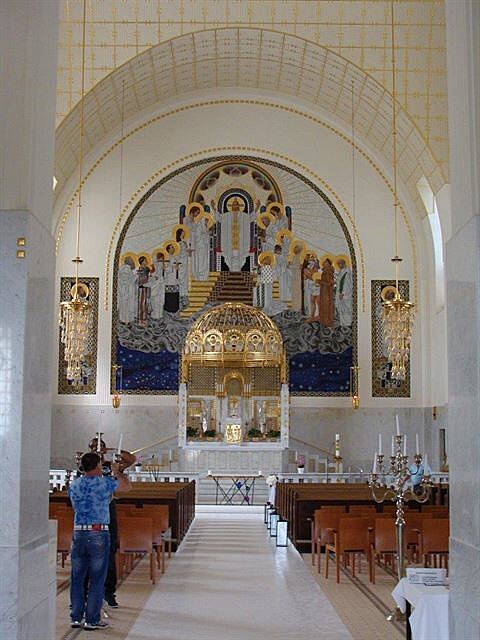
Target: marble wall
74, 425
463, 315
27, 103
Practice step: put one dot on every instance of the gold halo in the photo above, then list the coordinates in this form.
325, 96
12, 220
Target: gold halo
81, 287
266, 254
316, 276
131, 255
326, 256
276, 204
344, 257
262, 215
282, 233
159, 250
174, 244
184, 228
148, 258
386, 290
209, 218
194, 204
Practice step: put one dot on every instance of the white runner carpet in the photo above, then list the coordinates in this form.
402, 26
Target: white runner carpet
228, 581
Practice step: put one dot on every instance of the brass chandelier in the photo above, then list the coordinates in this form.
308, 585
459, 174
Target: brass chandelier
76, 317
397, 314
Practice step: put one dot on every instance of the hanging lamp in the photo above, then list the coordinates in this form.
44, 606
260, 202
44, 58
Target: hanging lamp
76, 316
354, 370
397, 314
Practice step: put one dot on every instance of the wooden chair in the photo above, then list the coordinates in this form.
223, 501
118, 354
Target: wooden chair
385, 543
362, 508
159, 515
136, 536
323, 524
64, 536
351, 537
435, 534
413, 530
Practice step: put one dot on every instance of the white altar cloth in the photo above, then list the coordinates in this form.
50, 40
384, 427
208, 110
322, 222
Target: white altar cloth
429, 618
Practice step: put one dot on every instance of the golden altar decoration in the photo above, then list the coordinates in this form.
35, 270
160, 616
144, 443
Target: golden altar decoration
233, 366
233, 342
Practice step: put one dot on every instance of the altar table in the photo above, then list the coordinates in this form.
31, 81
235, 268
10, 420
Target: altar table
429, 620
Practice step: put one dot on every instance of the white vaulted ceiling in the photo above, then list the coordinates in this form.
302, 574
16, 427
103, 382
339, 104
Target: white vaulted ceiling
255, 59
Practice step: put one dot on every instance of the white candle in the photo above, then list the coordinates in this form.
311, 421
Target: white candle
393, 445
405, 445
337, 437
379, 444
375, 463
119, 450
98, 442
417, 448
425, 464
397, 424
169, 455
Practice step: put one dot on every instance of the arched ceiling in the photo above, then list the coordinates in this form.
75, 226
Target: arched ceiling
258, 60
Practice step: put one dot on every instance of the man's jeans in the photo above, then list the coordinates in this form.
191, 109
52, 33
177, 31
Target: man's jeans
90, 551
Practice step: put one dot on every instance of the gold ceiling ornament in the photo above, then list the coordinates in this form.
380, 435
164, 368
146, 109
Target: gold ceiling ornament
234, 335
76, 314
397, 314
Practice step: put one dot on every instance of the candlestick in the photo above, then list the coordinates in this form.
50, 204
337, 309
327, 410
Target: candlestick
119, 450
417, 448
397, 424
380, 444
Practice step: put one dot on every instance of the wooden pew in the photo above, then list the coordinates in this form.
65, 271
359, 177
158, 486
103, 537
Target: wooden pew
179, 496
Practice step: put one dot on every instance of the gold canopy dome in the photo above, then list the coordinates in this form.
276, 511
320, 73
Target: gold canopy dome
234, 334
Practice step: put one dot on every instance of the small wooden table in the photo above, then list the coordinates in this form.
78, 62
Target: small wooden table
430, 616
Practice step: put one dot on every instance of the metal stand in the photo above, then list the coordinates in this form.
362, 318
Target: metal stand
241, 486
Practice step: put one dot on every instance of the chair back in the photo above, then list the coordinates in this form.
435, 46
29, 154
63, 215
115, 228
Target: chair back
136, 535
325, 521
159, 515
64, 533
353, 534
435, 533
362, 508
385, 535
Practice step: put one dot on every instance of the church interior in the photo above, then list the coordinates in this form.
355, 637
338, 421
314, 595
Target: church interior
240, 270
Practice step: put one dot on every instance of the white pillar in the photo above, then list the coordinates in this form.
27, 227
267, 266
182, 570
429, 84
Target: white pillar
463, 314
182, 414
28, 54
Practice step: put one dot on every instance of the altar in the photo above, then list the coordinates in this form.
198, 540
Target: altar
233, 395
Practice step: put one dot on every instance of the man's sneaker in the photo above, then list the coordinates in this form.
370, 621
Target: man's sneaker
111, 601
75, 623
91, 626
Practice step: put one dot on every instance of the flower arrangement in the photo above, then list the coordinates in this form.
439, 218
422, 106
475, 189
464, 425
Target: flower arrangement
192, 432
300, 463
271, 480
273, 434
254, 433
210, 433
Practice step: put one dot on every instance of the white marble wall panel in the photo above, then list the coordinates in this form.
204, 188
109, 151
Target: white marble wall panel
463, 315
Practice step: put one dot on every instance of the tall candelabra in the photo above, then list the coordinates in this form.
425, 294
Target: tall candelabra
393, 483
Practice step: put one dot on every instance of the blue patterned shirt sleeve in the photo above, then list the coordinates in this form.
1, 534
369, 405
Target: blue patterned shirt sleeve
90, 496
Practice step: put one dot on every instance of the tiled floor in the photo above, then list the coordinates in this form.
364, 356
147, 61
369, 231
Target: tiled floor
228, 581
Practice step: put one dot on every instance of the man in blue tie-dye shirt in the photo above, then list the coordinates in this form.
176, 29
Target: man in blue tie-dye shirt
90, 496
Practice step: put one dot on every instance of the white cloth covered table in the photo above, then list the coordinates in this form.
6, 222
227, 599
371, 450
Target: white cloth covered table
429, 619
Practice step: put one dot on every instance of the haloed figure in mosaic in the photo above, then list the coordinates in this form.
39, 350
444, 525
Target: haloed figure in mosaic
91, 495
127, 291
343, 293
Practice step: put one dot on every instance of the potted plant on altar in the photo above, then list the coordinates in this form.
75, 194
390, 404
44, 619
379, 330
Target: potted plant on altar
254, 434
300, 464
273, 434
138, 464
192, 433
210, 434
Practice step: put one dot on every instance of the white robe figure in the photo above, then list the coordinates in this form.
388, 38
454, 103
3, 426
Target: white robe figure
264, 292
235, 245
269, 241
343, 296
277, 225
182, 259
127, 293
157, 294
283, 275
311, 289
200, 245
